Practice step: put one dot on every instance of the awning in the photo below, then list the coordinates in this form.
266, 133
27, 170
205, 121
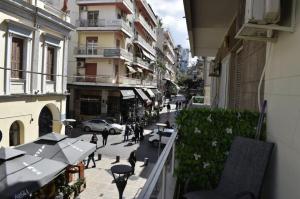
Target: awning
143, 96
155, 91
22, 174
149, 91
131, 69
59, 147
127, 94
148, 55
139, 70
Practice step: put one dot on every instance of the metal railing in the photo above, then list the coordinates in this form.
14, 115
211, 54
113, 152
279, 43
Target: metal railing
158, 176
91, 50
92, 79
144, 44
171, 49
140, 61
149, 10
107, 23
147, 27
170, 58
129, 81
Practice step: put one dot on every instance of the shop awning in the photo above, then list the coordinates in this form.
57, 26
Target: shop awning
155, 91
59, 147
127, 94
143, 96
139, 70
22, 174
131, 69
148, 55
149, 91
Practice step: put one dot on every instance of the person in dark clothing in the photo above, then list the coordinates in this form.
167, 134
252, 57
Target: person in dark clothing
132, 160
126, 133
177, 105
168, 107
136, 133
104, 136
141, 132
94, 140
168, 124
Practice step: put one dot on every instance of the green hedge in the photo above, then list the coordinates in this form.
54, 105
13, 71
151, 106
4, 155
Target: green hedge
205, 136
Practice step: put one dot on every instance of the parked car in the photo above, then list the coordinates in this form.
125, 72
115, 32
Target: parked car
198, 102
154, 139
100, 124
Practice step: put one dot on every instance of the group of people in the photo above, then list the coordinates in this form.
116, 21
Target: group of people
136, 129
179, 105
94, 140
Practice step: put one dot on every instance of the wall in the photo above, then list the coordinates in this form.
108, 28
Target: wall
25, 109
282, 90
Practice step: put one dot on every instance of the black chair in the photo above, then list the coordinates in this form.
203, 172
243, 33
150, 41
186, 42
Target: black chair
244, 171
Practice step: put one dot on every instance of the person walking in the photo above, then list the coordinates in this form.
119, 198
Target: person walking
105, 134
132, 160
136, 133
141, 132
177, 104
168, 107
126, 133
93, 140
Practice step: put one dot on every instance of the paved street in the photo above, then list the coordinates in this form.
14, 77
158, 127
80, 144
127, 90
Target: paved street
99, 179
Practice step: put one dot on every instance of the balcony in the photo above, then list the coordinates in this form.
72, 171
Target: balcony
170, 58
98, 52
140, 62
105, 25
148, 10
139, 40
95, 80
125, 5
169, 46
139, 19
129, 81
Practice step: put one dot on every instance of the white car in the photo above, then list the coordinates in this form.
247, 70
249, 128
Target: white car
100, 125
154, 139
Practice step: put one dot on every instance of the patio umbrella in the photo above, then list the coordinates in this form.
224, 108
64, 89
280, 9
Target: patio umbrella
59, 147
22, 174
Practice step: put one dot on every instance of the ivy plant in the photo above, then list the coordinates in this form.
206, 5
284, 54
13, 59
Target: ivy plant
205, 137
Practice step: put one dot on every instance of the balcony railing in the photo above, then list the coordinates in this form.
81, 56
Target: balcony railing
94, 51
171, 49
128, 3
161, 174
144, 44
139, 18
140, 61
92, 79
148, 9
106, 23
129, 81
170, 58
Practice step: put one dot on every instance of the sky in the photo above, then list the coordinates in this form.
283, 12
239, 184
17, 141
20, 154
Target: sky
172, 13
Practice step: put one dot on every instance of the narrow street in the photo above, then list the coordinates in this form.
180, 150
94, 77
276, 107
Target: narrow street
99, 179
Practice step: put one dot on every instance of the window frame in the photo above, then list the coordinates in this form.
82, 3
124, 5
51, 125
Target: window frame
52, 73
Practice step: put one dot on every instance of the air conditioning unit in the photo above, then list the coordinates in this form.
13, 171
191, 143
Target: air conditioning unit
262, 11
80, 64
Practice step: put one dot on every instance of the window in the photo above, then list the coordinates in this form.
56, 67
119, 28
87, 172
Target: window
14, 134
50, 63
92, 43
93, 18
90, 105
17, 58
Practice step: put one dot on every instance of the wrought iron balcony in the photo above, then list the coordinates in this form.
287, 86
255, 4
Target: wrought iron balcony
138, 39
99, 52
141, 20
104, 24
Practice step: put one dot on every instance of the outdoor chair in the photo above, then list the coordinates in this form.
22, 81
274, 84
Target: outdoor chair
244, 171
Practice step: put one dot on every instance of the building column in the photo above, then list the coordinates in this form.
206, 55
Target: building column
8, 63
44, 68
104, 97
28, 53
64, 79
35, 80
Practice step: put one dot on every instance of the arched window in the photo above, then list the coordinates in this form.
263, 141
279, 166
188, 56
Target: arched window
14, 134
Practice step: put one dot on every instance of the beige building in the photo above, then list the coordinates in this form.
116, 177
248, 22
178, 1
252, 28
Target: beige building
114, 52
34, 43
258, 58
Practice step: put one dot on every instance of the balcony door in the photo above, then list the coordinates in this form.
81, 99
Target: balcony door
93, 18
90, 72
91, 45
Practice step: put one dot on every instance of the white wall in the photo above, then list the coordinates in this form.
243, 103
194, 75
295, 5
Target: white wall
282, 90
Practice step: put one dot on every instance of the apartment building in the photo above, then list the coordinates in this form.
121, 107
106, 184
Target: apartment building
33, 93
115, 59
256, 50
